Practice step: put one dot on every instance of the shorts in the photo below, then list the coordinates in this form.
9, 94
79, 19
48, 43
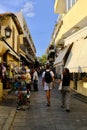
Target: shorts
47, 86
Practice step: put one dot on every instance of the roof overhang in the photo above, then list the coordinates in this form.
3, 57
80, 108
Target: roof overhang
15, 19
5, 47
30, 46
81, 24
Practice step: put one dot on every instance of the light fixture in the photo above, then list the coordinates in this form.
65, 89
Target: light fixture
8, 32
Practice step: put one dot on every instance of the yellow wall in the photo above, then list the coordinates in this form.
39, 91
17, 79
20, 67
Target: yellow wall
10, 40
12, 60
73, 16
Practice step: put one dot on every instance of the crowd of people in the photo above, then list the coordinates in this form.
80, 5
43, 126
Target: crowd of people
23, 84
27, 79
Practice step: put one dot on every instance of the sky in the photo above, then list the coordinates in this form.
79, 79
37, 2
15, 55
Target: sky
40, 18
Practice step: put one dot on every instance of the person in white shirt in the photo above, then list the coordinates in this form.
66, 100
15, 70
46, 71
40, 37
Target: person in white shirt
35, 80
48, 84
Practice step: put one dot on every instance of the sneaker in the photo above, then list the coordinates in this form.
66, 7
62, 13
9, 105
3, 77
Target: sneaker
18, 108
28, 95
67, 110
48, 104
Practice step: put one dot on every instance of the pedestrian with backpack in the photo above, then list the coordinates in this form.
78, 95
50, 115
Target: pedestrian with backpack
48, 82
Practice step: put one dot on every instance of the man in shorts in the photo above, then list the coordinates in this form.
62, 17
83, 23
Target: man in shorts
48, 84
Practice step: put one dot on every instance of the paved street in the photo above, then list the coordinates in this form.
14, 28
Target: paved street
7, 110
41, 117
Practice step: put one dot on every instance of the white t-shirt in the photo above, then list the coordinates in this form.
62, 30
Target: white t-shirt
35, 76
46, 85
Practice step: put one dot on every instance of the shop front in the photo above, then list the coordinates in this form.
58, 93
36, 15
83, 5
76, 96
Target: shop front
61, 59
77, 62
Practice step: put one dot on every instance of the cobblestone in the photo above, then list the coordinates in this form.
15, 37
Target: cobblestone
41, 117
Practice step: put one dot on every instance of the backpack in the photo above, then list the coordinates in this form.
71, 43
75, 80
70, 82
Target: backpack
48, 77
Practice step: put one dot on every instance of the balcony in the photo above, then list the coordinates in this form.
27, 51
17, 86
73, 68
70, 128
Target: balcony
51, 54
59, 6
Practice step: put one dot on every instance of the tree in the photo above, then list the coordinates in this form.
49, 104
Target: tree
43, 59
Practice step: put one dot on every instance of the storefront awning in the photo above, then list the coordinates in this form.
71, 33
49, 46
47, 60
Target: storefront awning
24, 56
77, 60
60, 59
4, 46
14, 54
30, 57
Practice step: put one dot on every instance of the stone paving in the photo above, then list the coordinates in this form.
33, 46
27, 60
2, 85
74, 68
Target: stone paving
41, 117
7, 111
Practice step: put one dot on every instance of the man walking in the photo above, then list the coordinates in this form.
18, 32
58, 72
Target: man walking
35, 80
48, 82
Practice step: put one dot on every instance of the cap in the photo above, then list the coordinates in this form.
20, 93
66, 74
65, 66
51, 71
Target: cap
28, 70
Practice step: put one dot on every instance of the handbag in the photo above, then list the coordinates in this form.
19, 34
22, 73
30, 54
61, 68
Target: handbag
60, 86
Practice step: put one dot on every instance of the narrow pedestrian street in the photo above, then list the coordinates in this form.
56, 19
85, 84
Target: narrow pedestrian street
49, 39
41, 117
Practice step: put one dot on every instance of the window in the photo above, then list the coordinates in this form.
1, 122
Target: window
70, 3
73, 2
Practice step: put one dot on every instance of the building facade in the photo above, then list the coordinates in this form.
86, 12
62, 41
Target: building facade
27, 47
71, 37
17, 48
9, 47
9, 50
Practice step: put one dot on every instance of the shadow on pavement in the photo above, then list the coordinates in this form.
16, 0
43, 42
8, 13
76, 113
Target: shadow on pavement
9, 100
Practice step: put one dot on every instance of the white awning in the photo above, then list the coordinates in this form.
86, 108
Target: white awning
59, 60
77, 60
